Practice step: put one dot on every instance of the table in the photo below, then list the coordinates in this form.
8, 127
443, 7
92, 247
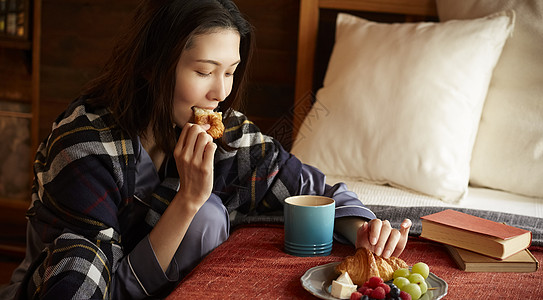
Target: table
251, 264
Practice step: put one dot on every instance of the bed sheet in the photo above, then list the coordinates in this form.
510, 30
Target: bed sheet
477, 198
396, 204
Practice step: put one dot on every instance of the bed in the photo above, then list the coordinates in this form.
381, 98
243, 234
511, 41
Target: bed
417, 106
403, 154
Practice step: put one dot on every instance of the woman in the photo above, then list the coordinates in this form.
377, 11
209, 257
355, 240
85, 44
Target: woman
129, 195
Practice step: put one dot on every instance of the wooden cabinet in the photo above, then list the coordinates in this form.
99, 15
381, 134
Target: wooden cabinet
19, 100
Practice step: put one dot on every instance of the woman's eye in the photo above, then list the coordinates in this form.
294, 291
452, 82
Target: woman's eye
202, 74
230, 73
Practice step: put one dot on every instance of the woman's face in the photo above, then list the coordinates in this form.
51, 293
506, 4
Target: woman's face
205, 72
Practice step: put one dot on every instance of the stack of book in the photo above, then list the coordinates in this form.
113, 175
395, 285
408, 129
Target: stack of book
480, 245
13, 18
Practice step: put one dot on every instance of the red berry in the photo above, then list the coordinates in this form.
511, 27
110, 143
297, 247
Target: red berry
356, 296
405, 296
375, 281
362, 289
368, 291
378, 293
385, 287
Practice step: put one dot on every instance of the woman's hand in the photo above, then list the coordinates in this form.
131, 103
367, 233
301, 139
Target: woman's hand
193, 155
379, 237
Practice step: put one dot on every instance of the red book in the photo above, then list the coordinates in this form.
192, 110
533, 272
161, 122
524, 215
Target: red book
476, 234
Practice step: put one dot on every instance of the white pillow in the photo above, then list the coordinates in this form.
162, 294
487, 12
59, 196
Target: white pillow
403, 102
508, 151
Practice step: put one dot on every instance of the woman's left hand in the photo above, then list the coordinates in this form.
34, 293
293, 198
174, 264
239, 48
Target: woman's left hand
379, 237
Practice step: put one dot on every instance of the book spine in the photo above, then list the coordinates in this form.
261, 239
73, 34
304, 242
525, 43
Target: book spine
3, 12
13, 18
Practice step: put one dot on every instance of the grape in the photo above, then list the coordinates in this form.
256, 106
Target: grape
412, 289
415, 278
394, 291
399, 282
421, 268
402, 272
423, 287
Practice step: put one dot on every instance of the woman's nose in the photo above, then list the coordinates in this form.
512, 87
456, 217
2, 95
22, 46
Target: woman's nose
219, 90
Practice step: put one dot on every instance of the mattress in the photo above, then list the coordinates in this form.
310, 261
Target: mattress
395, 204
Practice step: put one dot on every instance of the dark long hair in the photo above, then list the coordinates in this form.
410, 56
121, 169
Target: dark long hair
137, 83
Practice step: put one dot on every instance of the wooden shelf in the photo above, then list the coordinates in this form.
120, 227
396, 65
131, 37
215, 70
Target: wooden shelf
15, 43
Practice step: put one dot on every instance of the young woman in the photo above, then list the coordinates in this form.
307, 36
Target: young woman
129, 195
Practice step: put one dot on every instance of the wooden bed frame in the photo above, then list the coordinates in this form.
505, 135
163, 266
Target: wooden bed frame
307, 39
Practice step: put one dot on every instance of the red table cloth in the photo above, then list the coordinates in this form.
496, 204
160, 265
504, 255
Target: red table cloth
251, 264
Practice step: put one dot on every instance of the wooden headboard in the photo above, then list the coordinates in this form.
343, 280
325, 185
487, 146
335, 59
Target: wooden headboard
307, 38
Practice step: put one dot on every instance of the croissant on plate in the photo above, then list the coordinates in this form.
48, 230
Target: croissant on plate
364, 264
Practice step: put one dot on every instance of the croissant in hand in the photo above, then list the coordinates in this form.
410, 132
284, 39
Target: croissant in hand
364, 264
205, 116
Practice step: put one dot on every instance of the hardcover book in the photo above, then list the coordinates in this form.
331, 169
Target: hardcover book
469, 261
476, 234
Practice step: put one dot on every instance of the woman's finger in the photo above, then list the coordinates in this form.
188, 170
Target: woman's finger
404, 236
392, 243
209, 154
375, 231
202, 139
361, 236
384, 235
184, 132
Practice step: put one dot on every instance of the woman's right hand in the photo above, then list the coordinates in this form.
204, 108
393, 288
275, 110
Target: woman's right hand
193, 155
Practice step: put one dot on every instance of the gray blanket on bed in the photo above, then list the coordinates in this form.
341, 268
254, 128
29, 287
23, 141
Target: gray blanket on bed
397, 214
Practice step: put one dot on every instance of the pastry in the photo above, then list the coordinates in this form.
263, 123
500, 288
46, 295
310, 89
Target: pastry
364, 264
205, 116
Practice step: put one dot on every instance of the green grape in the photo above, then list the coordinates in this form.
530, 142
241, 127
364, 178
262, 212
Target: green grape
415, 278
412, 289
402, 272
421, 268
400, 282
423, 287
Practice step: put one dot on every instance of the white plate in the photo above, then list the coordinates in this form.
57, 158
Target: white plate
318, 280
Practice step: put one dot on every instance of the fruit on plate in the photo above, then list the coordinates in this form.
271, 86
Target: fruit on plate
412, 289
401, 281
376, 288
413, 282
405, 285
402, 272
421, 268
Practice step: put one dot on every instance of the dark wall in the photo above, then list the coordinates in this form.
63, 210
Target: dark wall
77, 38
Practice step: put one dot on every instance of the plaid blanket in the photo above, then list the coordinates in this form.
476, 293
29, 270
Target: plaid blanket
82, 196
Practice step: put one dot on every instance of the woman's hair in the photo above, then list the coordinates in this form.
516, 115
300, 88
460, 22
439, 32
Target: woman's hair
137, 83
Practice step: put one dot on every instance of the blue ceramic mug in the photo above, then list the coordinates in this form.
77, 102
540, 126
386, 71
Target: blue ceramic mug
309, 225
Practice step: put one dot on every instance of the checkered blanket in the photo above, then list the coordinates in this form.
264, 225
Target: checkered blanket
83, 193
